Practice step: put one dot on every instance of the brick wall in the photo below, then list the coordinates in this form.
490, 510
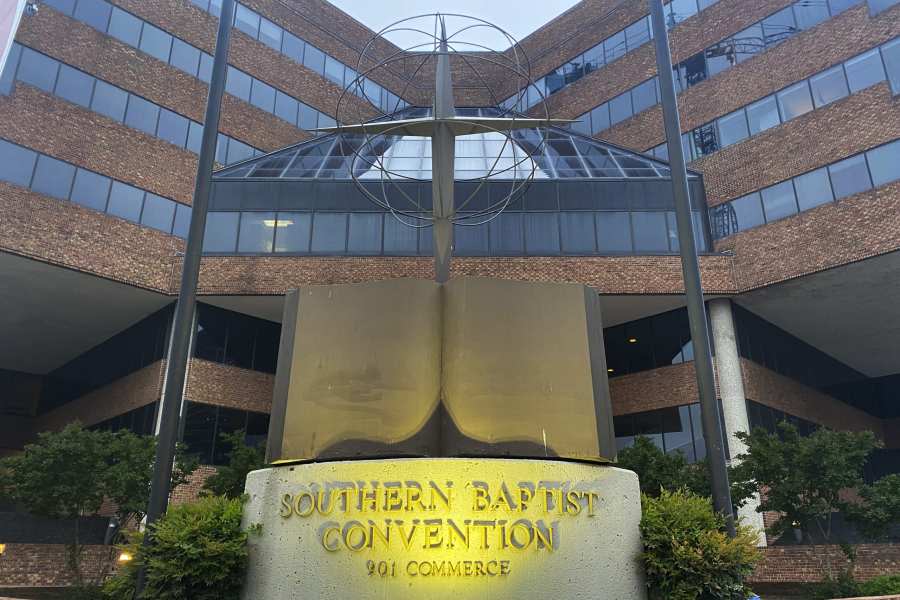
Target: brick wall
46, 565
224, 385
809, 564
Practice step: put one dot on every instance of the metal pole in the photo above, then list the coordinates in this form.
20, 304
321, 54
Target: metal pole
690, 265
179, 348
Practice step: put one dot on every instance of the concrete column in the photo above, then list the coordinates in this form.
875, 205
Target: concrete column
734, 399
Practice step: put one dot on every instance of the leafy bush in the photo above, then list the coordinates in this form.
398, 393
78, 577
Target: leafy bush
199, 553
686, 554
229, 480
881, 586
879, 508
660, 471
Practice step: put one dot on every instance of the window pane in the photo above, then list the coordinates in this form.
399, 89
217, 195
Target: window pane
238, 151
286, 107
748, 43
158, 212
182, 220
262, 96
156, 42
185, 57
692, 71
733, 128
257, 232
600, 118
470, 241
246, 20
795, 101
64, 6
541, 233
614, 46
142, 115
720, 57
828, 86
329, 232
292, 233
650, 232
53, 177
891, 53
74, 86
308, 117
679, 10
37, 70
109, 101
763, 115
507, 234
365, 233
613, 231
706, 140
644, 95
292, 47
864, 70
810, 14
221, 232
778, 201
125, 27
90, 190
813, 189
125, 201
200, 430
314, 58
779, 27
620, 108
237, 83
637, 34
270, 34
748, 211
93, 12
16, 163
849, 176
884, 163
399, 238
578, 232
334, 70
582, 124
195, 135
205, 71
173, 127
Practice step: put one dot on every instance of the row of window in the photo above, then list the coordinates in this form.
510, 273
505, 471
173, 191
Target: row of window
757, 38
672, 429
844, 178
302, 52
236, 339
510, 234
145, 36
73, 85
47, 175
140, 421
768, 418
851, 76
610, 49
203, 425
648, 343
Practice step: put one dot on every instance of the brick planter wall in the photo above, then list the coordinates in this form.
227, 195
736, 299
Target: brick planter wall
809, 564
46, 565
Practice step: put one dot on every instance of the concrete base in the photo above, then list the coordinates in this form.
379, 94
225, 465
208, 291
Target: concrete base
444, 528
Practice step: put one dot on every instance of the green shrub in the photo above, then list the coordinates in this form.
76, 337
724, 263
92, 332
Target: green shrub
686, 553
199, 553
229, 480
881, 586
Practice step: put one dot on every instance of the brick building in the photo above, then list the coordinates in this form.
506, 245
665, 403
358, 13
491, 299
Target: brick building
790, 113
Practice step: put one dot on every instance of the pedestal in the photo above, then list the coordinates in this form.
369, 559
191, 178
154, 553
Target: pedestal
437, 528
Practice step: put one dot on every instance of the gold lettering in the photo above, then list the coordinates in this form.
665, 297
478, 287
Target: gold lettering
503, 500
479, 568
453, 568
384, 536
590, 499
369, 500
484, 525
392, 499
525, 496
422, 566
481, 500
286, 509
321, 502
433, 538
406, 539
409, 570
445, 497
573, 506
453, 529
504, 567
298, 499
331, 546
544, 535
349, 529
521, 525
467, 568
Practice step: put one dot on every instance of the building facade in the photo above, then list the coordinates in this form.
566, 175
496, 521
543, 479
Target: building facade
791, 121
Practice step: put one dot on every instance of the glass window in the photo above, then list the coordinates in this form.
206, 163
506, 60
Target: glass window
158, 212
578, 236
470, 241
125, 27
650, 234
850, 176
600, 118
877, 6
173, 127
286, 107
748, 211
237, 151
582, 124
74, 86
720, 57
314, 59
329, 233
185, 57
864, 70
53, 177
507, 234
748, 43
679, 10
884, 163
292, 232
692, 70
90, 189
399, 238
614, 46
93, 12
7, 76
262, 96
142, 115
16, 163
206, 64
37, 70
182, 220
308, 118
644, 95
613, 231
593, 58
795, 101
195, 135
125, 201
292, 46
779, 27
763, 115
810, 14
620, 108
200, 430
828, 86
270, 34
365, 233
63, 6
238, 83
541, 234
109, 100
637, 34
246, 20
839, 6
221, 232
733, 128
891, 53
706, 140
257, 232
813, 189
156, 42
778, 201
334, 70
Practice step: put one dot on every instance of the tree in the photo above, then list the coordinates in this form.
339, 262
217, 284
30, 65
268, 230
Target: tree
660, 471
802, 476
878, 510
229, 479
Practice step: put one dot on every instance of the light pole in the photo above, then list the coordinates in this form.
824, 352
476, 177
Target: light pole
182, 325
690, 266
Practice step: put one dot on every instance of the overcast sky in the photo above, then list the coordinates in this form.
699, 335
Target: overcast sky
517, 18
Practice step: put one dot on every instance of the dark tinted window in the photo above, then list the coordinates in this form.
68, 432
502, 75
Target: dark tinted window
90, 189
399, 238
37, 70
221, 232
649, 231
125, 27
158, 212
748, 210
263, 96
541, 233
74, 86
578, 232
109, 101
53, 177
644, 95
620, 108
329, 232
507, 234
125, 201
614, 231
16, 163
365, 233
286, 107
